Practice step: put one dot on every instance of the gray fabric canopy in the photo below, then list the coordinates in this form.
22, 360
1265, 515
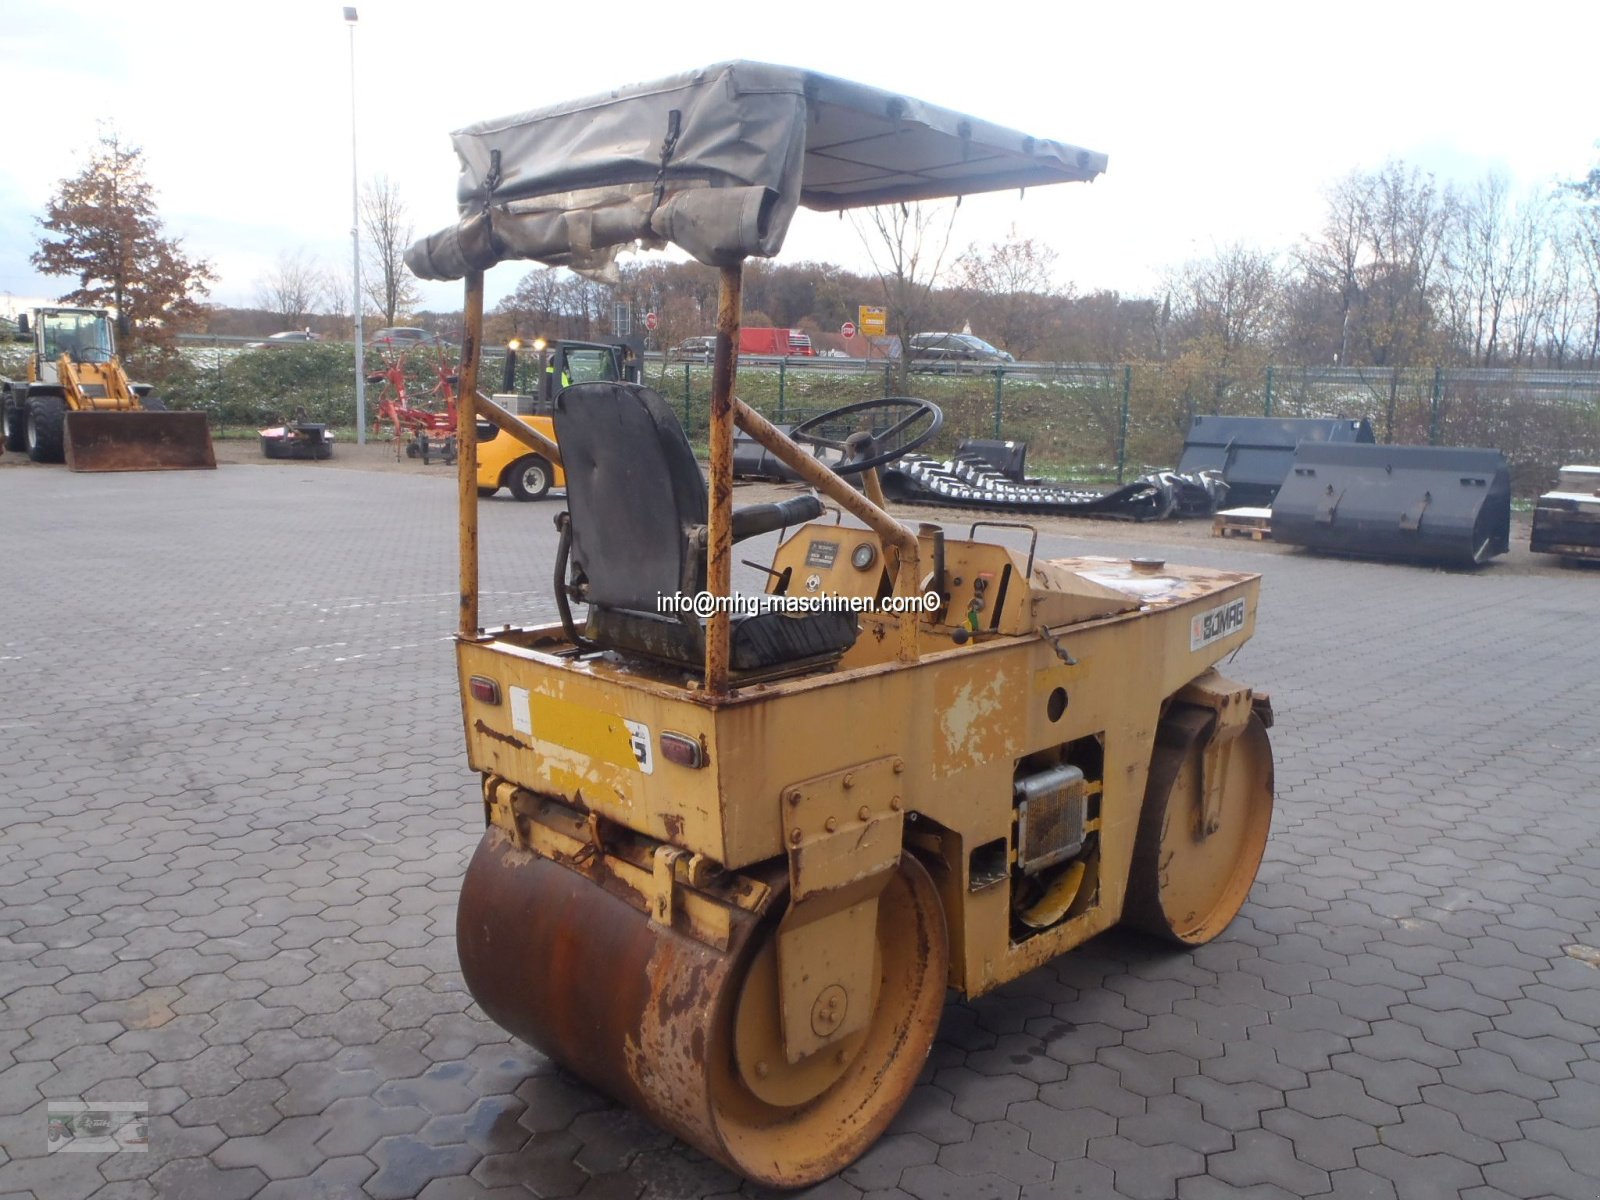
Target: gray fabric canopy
715, 161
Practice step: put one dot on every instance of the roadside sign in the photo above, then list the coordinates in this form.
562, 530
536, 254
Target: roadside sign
650, 321
848, 330
873, 319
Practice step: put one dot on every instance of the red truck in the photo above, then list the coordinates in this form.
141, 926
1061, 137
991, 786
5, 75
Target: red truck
780, 342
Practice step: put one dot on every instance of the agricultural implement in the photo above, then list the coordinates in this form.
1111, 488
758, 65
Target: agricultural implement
733, 862
418, 430
298, 437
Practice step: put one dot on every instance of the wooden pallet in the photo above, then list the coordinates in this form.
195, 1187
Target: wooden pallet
1252, 523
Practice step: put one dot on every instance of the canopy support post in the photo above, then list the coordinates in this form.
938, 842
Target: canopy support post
719, 531
467, 453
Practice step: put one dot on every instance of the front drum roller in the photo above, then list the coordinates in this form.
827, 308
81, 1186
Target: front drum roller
659, 1020
1182, 886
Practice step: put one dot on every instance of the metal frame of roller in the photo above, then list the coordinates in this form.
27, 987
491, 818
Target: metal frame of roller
735, 902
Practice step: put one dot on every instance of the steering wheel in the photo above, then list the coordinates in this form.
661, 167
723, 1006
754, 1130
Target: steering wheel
908, 423
92, 354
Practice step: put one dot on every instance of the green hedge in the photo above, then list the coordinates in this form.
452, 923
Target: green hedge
245, 389
1071, 416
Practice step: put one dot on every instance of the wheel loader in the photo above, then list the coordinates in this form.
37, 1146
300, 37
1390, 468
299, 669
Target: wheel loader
77, 404
738, 847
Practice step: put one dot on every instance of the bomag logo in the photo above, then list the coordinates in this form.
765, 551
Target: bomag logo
1207, 627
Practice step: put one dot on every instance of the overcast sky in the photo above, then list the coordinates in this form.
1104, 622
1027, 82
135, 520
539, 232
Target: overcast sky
1223, 121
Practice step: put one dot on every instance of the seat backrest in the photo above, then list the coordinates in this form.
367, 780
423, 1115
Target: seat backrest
634, 492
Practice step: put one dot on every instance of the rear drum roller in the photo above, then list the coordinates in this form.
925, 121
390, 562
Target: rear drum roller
687, 1034
1184, 887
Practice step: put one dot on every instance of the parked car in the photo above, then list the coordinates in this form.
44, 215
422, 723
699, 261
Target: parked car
403, 337
289, 337
955, 350
695, 349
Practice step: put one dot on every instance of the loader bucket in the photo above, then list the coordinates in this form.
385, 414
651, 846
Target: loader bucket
139, 441
1441, 504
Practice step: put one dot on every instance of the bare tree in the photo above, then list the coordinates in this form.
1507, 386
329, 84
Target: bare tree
1503, 271
294, 288
1229, 301
587, 304
1409, 220
907, 245
534, 307
1369, 276
1584, 240
1477, 261
338, 292
1561, 300
1529, 278
1333, 260
1225, 310
1011, 288
387, 232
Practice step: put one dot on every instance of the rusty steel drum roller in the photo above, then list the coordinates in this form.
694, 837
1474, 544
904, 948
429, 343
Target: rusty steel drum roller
1185, 883
690, 1035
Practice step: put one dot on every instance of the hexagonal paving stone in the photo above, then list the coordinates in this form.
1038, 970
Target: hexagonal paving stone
232, 894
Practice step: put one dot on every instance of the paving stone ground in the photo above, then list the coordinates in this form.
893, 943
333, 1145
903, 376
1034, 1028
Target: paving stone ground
236, 812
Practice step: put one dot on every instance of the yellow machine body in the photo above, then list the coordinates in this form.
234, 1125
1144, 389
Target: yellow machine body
792, 873
732, 864
500, 455
585, 732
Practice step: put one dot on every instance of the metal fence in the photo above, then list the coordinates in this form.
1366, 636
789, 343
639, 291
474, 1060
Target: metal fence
1118, 421
1082, 420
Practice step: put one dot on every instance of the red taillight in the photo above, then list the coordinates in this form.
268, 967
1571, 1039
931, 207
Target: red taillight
683, 750
484, 689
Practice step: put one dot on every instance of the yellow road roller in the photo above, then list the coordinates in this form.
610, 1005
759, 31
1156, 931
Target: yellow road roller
738, 847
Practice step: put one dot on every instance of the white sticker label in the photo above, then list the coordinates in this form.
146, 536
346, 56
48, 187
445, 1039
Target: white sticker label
1207, 627
639, 740
521, 717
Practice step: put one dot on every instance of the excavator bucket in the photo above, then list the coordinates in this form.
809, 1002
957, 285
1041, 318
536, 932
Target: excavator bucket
139, 441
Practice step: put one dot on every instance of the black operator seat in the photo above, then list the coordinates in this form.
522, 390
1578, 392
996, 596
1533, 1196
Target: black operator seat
638, 507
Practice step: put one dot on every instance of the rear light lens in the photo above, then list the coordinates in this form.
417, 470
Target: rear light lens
484, 689
683, 750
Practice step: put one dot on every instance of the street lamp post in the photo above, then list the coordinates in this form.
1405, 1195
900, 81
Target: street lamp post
355, 242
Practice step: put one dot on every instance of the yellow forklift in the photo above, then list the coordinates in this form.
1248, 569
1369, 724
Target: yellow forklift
737, 848
506, 462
